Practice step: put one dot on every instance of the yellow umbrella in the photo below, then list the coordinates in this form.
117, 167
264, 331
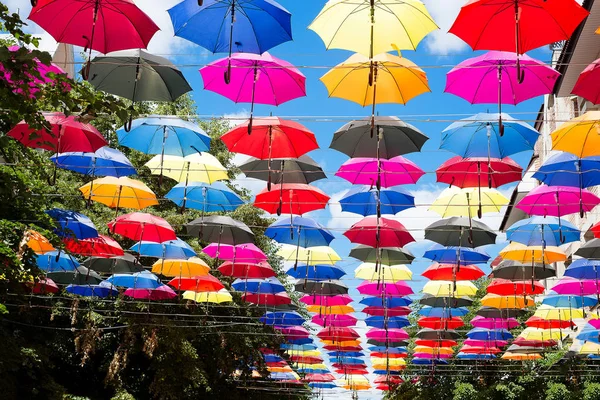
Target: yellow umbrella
373, 27
319, 255
580, 136
590, 348
456, 202
541, 334
386, 273
532, 254
38, 242
448, 288
330, 310
310, 366
183, 268
197, 167
304, 353
521, 356
355, 382
433, 350
119, 193
563, 314
392, 362
222, 296
497, 301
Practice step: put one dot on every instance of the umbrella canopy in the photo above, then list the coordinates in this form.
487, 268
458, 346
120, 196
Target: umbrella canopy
78, 276
222, 296
384, 173
137, 75
185, 268
533, 254
140, 280
324, 300
142, 227
261, 286
456, 255
125, 264
566, 169
492, 299
247, 253
337, 334
367, 200
558, 201
589, 250
164, 135
275, 299
101, 246
449, 288
220, 229
323, 288
299, 231
440, 323
101, 290
537, 322
440, 301
387, 334
372, 231
522, 271
433, 334
387, 312
570, 301
291, 198
335, 320
479, 171
543, 231
56, 261
387, 273
72, 224
104, 26
449, 272
385, 255
119, 193
460, 231
397, 289
468, 202
443, 313
489, 334
102, 162
550, 313
389, 322
316, 272
171, 249
587, 83
492, 312
579, 136
494, 323
247, 270
302, 169
206, 198
38, 242
320, 255
160, 293
330, 310
206, 283
197, 167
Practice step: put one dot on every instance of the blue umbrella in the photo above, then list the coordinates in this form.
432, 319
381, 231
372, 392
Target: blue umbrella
139, 280
349, 360
386, 372
301, 347
469, 137
453, 255
466, 356
566, 169
103, 162
383, 349
166, 136
427, 361
269, 358
565, 301
446, 313
301, 231
101, 290
540, 231
345, 354
392, 322
589, 333
206, 198
312, 371
363, 201
300, 341
55, 261
489, 334
279, 376
388, 302
282, 318
172, 249
263, 286
72, 223
232, 26
584, 269
322, 385
316, 272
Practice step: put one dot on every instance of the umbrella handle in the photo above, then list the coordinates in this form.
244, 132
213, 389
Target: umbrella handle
479, 211
520, 72
129, 123
200, 3
33, 3
85, 71
227, 75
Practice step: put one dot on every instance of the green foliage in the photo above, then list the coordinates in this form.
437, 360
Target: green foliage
557, 391
464, 391
591, 391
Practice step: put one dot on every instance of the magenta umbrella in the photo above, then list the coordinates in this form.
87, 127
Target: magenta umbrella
160, 293
293, 332
392, 335
247, 253
576, 287
397, 289
335, 320
494, 323
432, 356
327, 301
485, 343
379, 232
380, 173
261, 79
557, 201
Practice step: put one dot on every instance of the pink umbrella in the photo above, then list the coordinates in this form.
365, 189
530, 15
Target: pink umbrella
45, 285
588, 84
392, 335
557, 201
160, 293
494, 323
432, 356
293, 332
595, 323
261, 79
327, 301
576, 287
379, 232
336, 320
397, 289
382, 173
247, 253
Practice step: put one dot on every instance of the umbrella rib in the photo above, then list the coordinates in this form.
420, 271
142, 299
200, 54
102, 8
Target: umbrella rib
355, 10
498, 11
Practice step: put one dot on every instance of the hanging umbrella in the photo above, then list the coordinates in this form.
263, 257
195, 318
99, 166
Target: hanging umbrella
479, 171
323, 288
492, 299
380, 173
491, 312
533, 254
387, 312
449, 272
366, 201
479, 136
260, 286
383, 273
247, 253
101, 290
184, 268
468, 202
570, 301
282, 318
38, 242
197, 167
171, 249
494, 323
125, 264
558, 201
320, 255
394, 138
441, 301
267, 299
78, 276
140, 280
521, 356
247, 270
56, 261
222, 296
254, 79
543, 231
489, 334
397, 289
587, 83
291, 198
553, 313
435, 342
440, 323
206, 283
325, 300
302, 169
142, 227
103, 162
72, 224
456, 255
160, 293
590, 250
375, 232
299, 231
385, 255
460, 231
220, 229
337, 334
335, 320
450, 288
537, 322
579, 136
101, 246
595, 229
443, 312
119, 193
565, 169
206, 198
433, 334
330, 310
522, 271
315, 272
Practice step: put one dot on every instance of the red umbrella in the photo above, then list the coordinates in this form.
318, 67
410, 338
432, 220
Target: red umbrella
596, 230
306, 359
390, 312
340, 320
534, 343
537, 322
291, 198
379, 232
504, 287
142, 227
335, 347
45, 285
440, 323
588, 83
337, 333
343, 369
449, 272
478, 172
267, 299
247, 270
198, 284
435, 343
484, 343
101, 246
388, 355
66, 135
392, 379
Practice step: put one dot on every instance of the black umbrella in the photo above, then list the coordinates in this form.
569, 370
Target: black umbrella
445, 302
221, 230
515, 348
125, 264
284, 170
387, 255
590, 250
438, 334
395, 138
492, 312
322, 288
516, 271
79, 276
460, 231
399, 343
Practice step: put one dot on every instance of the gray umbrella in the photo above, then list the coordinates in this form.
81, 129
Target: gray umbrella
221, 230
395, 138
387, 256
590, 250
492, 312
438, 334
79, 276
516, 271
460, 231
515, 348
125, 264
444, 302
399, 343
284, 170
324, 288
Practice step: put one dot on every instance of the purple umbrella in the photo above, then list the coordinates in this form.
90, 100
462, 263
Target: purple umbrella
494, 323
495, 77
385, 289
557, 201
261, 79
246, 253
576, 287
160, 293
380, 173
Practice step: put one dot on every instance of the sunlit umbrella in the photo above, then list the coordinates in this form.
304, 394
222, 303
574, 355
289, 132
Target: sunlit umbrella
220, 229
479, 171
449, 272
101, 246
72, 224
185, 268
542, 231
522, 271
197, 167
460, 231
494, 323
119, 193
383, 273
493, 299
248, 253
558, 201
449, 288
380, 173
315, 272
325, 300
372, 231
397, 289
589, 250
291, 198
566, 169
101, 290
103, 162
222, 296
320, 255
456, 255
205, 283
468, 202
142, 227
302, 169
140, 280
445, 301
330, 310
241, 269
532, 254
53, 261
38, 242
299, 231
587, 83
385, 255
579, 136
171, 249
160, 293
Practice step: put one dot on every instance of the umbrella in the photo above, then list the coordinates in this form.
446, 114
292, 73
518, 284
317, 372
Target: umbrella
282, 318
397, 289
315, 272
494, 323
222, 296
534, 254
440, 323
78, 276
543, 231
72, 224
440, 301
579, 136
125, 264
394, 138
119, 193
450, 288
380, 173
142, 227
56, 261
197, 167
565, 169
184, 268
171, 249
261, 79
387, 312
366, 200
489, 334
522, 271
558, 201
541, 334
375, 232
139, 280
433, 334
302, 169
206, 283
479, 136
38, 242
521, 356
383, 273
260, 286
164, 135
460, 231
468, 202
335, 320
220, 229
291, 198
492, 312
570, 301
330, 310
299, 231
103, 162
320, 255
456, 255
247, 270
450, 272
443, 312
267, 299
323, 288
590, 250
477, 171
554, 313
433, 350
537, 322
160, 293
385, 255
248, 252
505, 301
387, 334
596, 230
587, 83
338, 334
436, 342
100, 290
324, 300
101, 246
206, 198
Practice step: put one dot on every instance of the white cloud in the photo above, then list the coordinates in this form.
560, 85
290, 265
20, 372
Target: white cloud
237, 117
444, 13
